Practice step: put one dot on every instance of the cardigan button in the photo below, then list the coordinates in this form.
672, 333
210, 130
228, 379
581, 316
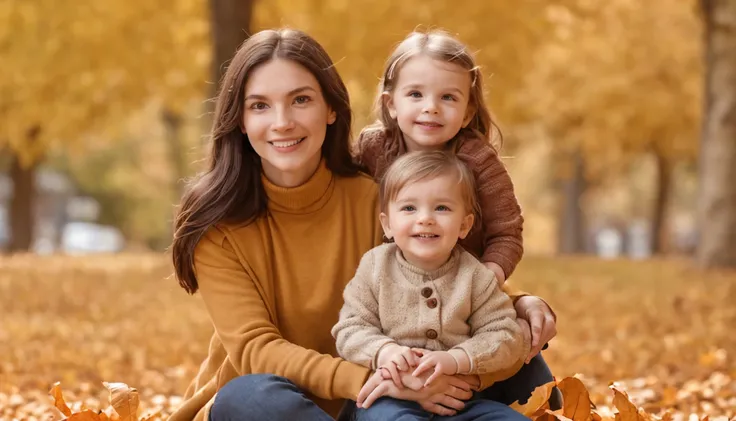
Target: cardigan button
426, 292
431, 334
432, 303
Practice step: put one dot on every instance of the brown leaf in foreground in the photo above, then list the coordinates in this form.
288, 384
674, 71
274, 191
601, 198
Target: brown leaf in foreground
577, 403
533, 408
59, 402
124, 400
86, 415
627, 411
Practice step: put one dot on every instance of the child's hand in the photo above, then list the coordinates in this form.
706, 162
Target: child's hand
441, 362
396, 358
498, 271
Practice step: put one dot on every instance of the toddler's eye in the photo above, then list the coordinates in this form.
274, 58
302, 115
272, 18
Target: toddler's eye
442, 208
408, 208
415, 94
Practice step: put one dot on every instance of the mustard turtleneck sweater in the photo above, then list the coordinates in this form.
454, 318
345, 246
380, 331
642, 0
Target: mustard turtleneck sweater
273, 289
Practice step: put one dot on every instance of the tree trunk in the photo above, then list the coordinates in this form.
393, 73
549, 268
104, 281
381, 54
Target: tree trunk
177, 152
572, 221
230, 23
661, 203
717, 212
22, 205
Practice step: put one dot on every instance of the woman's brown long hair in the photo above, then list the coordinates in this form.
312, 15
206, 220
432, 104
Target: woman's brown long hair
231, 190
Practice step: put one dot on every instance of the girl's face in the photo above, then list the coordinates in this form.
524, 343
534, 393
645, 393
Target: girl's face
426, 219
430, 102
285, 119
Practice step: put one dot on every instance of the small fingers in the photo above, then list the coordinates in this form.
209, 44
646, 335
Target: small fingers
424, 366
431, 378
394, 375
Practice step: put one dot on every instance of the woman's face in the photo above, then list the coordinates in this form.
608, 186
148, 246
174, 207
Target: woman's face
285, 119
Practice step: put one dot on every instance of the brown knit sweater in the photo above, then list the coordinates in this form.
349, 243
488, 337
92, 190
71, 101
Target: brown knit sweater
499, 238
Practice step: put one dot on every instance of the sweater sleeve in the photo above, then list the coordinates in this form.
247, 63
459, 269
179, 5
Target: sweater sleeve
358, 331
502, 221
252, 342
496, 342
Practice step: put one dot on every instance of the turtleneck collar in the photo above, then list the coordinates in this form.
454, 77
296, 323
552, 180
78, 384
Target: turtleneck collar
306, 198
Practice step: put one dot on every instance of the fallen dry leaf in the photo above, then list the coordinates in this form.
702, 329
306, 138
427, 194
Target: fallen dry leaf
59, 402
86, 415
539, 398
627, 411
124, 400
576, 403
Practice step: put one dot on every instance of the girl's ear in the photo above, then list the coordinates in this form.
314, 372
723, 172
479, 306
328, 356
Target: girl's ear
469, 115
388, 101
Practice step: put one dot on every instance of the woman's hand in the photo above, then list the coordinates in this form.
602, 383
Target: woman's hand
541, 319
444, 396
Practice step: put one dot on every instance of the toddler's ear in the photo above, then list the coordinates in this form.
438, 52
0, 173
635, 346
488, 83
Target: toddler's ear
466, 225
386, 226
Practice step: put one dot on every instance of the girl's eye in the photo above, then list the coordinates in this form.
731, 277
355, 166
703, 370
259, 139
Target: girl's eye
302, 99
449, 97
442, 208
408, 208
258, 106
415, 94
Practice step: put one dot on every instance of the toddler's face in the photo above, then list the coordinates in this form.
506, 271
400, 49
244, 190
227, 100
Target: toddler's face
426, 219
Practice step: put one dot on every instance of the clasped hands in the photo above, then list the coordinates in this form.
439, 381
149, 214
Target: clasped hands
427, 377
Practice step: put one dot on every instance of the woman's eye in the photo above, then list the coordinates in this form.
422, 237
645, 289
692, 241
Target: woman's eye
258, 106
302, 99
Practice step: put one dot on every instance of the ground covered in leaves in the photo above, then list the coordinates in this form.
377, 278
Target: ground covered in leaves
660, 329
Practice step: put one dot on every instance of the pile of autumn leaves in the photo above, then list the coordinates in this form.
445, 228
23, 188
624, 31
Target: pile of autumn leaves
124, 402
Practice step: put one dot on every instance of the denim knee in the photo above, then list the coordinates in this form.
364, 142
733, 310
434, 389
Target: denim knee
255, 397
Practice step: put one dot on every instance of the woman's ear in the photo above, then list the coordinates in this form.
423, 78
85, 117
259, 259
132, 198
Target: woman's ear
331, 117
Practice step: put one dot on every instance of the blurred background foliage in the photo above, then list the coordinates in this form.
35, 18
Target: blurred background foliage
617, 119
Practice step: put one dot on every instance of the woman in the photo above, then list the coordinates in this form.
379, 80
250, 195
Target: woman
271, 233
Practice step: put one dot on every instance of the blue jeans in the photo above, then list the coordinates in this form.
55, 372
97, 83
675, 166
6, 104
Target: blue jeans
490, 404
475, 410
269, 397
264, 397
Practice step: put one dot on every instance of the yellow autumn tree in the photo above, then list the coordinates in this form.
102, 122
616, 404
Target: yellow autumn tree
616, 81
70, 72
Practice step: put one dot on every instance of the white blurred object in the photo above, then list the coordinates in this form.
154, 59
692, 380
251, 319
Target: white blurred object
640, 239
609, 243
85, 237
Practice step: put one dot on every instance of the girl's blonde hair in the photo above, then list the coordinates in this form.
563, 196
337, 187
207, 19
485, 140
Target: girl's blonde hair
426, 165
442, 46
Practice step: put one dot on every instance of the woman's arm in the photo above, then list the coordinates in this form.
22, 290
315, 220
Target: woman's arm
252, 342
